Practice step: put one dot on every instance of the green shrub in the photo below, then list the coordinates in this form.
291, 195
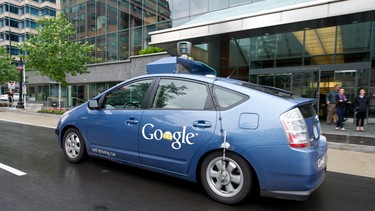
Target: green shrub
52, 111
150, 50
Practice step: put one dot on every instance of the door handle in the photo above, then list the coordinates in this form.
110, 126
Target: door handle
202, 124
131, 121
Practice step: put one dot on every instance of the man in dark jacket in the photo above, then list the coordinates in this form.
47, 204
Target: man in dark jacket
331, 105
361, 104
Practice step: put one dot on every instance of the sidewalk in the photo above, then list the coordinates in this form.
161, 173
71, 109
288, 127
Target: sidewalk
29, 116
350, 139
349, 152
350, 130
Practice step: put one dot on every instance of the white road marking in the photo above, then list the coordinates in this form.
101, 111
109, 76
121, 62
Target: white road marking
12, 170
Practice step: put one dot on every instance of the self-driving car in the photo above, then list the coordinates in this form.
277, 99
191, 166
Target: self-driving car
230, 136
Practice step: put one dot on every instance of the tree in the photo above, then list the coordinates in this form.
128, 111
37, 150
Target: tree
51, 53
8, 70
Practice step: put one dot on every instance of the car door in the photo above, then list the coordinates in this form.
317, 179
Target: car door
113, 129
181, 119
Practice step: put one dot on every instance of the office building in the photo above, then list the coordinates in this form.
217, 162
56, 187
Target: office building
18, 19
303, 46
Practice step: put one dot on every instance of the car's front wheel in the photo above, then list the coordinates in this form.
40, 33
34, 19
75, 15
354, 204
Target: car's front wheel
227, 181
74, 145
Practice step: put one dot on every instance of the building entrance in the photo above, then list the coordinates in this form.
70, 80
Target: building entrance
316, 84
352, 81
304, 83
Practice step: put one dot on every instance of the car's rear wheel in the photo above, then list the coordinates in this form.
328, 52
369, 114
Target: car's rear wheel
227, 182
74, 145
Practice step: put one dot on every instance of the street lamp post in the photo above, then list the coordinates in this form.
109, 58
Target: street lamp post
20, 99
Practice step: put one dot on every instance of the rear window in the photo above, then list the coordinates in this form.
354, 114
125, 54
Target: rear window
266, 89
270, 90
307, 110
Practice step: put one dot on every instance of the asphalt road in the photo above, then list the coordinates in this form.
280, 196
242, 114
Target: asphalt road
52, 183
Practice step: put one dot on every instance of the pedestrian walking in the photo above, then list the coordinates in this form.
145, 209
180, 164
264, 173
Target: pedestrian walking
361, 104
331, 105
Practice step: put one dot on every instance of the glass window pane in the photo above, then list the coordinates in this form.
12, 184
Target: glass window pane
91, 41
177, 94
164, 12
123, 44
101, 47
147, 36
91, 18
127, 97
217, 4
180, 9
136, 14
198, 7
112, 15
81, 21
228, 98
135, 41
124, 14
320, 41
289, 50
150, 11
262, 51
353, 43
112, 47
102, 18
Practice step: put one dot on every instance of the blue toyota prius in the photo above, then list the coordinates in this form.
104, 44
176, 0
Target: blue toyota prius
231, 136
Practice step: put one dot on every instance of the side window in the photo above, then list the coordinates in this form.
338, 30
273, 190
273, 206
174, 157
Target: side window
227, 98
129, 96
179, 94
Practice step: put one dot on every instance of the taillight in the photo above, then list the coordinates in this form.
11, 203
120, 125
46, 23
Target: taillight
295, 128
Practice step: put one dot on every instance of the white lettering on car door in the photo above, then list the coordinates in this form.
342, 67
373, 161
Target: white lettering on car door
178, 137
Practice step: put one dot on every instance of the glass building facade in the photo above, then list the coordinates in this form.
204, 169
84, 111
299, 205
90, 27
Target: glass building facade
118, 28
305, 57
307, 62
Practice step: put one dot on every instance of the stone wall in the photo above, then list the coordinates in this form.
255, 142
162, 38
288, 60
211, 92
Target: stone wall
104, 72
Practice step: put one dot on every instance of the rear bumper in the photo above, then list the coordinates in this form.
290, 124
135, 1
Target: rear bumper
293, 195
289, 173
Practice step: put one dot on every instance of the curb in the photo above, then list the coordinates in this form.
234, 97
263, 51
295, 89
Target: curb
351, 147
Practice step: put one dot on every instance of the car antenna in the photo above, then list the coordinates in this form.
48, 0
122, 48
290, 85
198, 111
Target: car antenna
230, 76
225, 145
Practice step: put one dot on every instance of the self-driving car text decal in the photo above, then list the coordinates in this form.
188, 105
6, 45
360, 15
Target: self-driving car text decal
103, 152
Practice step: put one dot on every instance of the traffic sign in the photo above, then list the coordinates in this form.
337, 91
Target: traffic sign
11, 85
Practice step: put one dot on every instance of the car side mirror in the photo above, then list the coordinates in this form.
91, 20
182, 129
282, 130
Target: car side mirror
93, 104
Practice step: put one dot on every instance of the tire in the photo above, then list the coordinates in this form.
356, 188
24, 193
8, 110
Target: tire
74, 146
230, 186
